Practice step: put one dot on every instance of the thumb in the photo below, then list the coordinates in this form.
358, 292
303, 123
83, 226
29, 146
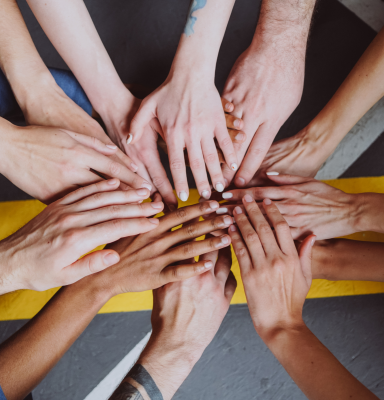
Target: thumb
142, 118
90, 264
287, 179
179, 272
305, 256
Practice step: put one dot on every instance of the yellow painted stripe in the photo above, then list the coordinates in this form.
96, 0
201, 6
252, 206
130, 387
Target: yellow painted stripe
26, 303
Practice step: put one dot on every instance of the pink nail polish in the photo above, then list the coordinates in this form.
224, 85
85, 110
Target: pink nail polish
238, 210
248, 198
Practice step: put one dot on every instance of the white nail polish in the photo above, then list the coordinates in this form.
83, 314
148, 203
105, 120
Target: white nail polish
129, 138
234, 167
227, 195
183, 196
272, 173
111, 146
222, 210
219, 187
205, 194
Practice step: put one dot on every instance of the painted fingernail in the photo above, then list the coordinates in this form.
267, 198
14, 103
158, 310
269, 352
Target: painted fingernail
238, 210
111, 146
234, 167
219, 187
134, 167
232, 228
228, 220
267, 202
183, 196
240, 181
227, 195
222, 210
146, 185
129, 138
237, 123
142, 192
213, 205
313, 241
153, 221
240, 136
205, 194
158, 205
113, 182
248, 198
228, 106
208, 264
225, 240
111, 258
272, 173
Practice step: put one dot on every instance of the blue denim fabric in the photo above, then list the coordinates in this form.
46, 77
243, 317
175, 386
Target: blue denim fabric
65, 79
2, 396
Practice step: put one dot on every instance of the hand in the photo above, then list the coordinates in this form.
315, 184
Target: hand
265, 86
309, 206
45, 252
190, 114
148, 261
48, 162
276, 278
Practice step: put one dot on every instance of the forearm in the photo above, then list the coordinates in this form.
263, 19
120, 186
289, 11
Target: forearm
33, 351
343, 259
313, 367
362, 88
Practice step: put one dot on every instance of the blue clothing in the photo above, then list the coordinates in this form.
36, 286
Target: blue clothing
65, 79
2, 396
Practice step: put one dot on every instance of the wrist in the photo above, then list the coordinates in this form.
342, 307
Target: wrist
274, 335
367, 212
11, 278
8, 133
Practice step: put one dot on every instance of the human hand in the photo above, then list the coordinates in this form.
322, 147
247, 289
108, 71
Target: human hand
148, 261
276, 277
190, 115
309, 206
185, 318
45, 252
265, 86
48, 162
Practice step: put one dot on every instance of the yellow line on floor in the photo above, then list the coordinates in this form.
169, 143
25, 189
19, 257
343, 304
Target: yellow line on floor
26, 303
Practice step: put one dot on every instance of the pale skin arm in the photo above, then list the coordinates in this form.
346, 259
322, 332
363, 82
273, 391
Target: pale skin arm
304, 153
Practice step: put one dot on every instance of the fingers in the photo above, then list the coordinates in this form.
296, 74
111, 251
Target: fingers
226, 146
180, 272
282, 179
230, 286
90, 141
233, 122
197, 164
227, 105
260, 193
305, 256
282, 231
241, 250
144, 115
103, 186
223, 265
90, 264
213, 163
195, 248
236, 136
100, 199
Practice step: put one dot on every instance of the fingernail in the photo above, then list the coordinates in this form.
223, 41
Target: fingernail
227, 195
225, 240
238, 210
208, 265
153, 221
113, 182
129, 138
234, 167
205, 194
313, 241
222, 210
267, 202
111, 146
237, 123
248, 198
172, 207
272, 173
146, 185
219, 187
240, 181
111, 258
183, 196
240, 136
158, 205
134, 166
228, 220
232, 228
142, 192
213, 205
228, 106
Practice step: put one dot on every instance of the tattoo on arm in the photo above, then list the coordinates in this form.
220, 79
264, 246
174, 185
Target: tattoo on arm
140, 375
196, 5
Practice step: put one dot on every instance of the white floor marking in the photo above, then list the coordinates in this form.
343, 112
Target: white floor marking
360, 137
370, 11
108, 385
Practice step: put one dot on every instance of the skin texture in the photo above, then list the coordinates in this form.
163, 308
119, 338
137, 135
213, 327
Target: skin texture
276, 280
45, 252
147, 262
266, 82
304, 153
48, 162
185, 318
187, 105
